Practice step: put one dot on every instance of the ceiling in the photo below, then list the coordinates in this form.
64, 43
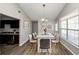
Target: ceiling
35, 10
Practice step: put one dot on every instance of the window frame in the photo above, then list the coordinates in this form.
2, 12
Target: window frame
56, 27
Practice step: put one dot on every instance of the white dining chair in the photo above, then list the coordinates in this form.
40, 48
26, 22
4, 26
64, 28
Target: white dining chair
34, 36
56, 38
30, 37
35, 33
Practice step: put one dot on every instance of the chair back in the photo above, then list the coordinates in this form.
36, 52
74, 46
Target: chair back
35, 33
34, 36
56, 39
57, 36
30, 37
44, 43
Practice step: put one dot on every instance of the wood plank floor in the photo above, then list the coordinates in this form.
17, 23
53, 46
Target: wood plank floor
30, 49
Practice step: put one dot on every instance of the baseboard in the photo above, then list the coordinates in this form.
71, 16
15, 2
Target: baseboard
67, 48
23, 43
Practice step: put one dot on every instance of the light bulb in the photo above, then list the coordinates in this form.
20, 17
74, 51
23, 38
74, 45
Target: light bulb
43, 19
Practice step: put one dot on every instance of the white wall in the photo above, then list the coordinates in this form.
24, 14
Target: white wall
11, 9
68, 9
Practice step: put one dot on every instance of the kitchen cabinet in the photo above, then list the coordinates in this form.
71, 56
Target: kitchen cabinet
9, 38
9, 25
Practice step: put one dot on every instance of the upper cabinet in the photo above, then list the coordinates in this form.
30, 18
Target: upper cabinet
8, 21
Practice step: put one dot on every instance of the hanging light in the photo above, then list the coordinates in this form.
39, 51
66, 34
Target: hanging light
44, 19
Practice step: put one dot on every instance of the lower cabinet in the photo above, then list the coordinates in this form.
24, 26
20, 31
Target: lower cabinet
16, 39
9, 39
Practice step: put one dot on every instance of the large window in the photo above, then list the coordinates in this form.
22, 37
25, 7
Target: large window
69, 29
73, 29
73, 36
56, 26
73, 23
63, 29
63, 24
63, 33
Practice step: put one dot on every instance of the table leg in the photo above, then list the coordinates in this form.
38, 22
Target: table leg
50, 47
38, 45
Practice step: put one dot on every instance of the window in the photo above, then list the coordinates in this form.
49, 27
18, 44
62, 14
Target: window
73, 30
73, 23
63, 24
64, 34
73, 36
69, 28
56, 26
63, 29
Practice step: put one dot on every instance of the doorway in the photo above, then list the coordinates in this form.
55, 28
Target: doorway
35, 27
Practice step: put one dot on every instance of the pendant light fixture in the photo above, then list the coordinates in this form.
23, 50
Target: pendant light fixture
44, 19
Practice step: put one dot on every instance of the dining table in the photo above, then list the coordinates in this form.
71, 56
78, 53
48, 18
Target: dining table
44, 36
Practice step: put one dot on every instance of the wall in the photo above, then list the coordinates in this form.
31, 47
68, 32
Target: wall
12, 9
68, 9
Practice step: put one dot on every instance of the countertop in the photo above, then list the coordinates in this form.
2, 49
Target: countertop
9, 33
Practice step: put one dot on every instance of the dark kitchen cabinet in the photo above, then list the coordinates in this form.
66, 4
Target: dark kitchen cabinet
9, 25
8, 39
4, 19
4, 39
13, 23
16, 40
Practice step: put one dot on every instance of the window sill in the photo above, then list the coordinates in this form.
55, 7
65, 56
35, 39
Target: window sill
72, 43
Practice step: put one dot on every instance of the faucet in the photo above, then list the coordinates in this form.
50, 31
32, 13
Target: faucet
14, 31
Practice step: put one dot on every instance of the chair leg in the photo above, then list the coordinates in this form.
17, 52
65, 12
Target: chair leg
48, 51
55, 43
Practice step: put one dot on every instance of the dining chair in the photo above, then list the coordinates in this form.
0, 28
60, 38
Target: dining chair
56, 38
34, 36
30, 37
44, 44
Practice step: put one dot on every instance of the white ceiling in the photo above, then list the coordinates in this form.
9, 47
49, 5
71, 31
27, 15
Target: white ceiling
35, 10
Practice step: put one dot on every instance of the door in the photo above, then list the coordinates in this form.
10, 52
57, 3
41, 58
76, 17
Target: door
35, 27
